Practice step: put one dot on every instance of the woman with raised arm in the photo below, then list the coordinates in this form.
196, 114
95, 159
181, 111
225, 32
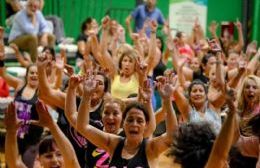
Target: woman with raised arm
57, 99
25, 99
111, 118
134, 150
52, 150
197, 146
123, 74
198, 107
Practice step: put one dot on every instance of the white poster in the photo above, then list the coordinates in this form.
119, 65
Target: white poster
183, 13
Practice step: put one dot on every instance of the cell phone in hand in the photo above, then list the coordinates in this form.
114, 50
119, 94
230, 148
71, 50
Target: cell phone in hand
214, 46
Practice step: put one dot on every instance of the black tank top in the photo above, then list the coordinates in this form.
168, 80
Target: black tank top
26, 110
139, 160
80, 144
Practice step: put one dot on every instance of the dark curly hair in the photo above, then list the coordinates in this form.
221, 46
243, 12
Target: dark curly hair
138, 106
197, 82
192, 144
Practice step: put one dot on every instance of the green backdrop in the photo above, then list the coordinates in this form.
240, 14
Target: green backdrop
73, 12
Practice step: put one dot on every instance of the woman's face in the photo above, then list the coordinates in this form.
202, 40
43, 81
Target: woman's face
99, 93
211, 62
93, 26
232, 61
52, 159
48, 55
195, 64
250, 91
127, 66
112, 117
113, 27
135, 124
32, 77
198, 94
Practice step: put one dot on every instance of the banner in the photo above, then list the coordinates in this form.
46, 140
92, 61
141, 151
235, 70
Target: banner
183, 13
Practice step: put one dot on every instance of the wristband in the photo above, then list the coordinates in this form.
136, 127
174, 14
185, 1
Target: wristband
2, 63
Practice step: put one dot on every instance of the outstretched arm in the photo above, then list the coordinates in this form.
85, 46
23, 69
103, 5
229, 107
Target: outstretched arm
223, 143
12, 157
99, 138
219, 100
25, 62
128, 24
157, 145
50, 96
64, 145
145, 96
241, 43
70, 102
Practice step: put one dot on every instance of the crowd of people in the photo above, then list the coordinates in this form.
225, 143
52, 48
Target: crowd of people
107, 114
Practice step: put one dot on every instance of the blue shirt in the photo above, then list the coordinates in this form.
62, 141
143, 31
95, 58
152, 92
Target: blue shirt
141, 14
22, 25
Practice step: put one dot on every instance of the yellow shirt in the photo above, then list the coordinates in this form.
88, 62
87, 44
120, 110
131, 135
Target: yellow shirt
123, 90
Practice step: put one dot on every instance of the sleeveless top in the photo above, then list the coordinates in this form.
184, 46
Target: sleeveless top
99, 157
209, 116
123, 90
80, 144
26, 110
245, 129
139, 160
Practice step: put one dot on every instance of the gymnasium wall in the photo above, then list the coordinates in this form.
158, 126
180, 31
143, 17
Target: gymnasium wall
73, 12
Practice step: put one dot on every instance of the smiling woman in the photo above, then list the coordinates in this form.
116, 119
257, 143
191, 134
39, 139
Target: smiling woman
25, 99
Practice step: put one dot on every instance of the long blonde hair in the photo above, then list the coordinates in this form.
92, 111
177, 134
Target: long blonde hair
240, 96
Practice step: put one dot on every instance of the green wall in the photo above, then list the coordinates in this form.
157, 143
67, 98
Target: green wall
73, 12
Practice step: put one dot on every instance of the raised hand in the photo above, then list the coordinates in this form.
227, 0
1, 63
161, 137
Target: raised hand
68, 70
238, 24
134, 36
251, 48
105, 22
242, 66
153, 25
145, 93
42, 60
141, 67
90, 86
11, 121
213, 27
166, 27
169, 76
75, 80
166, 87
45, 119
59, 62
